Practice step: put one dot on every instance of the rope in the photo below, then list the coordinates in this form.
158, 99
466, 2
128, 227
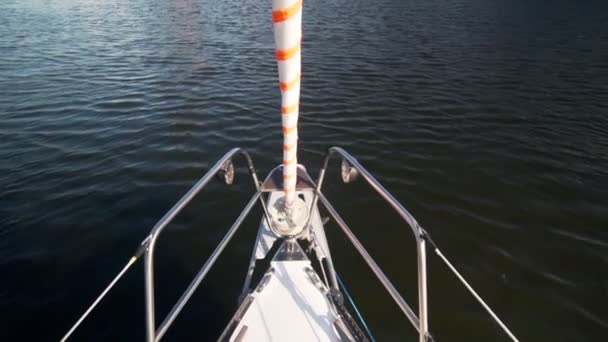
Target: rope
352, 303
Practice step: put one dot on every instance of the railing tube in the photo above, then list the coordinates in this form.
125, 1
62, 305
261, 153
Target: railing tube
405, 215
168, 217
149, 279
372, 264
177, 308
422, 291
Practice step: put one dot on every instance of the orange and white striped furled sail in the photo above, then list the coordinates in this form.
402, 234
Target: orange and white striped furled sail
287, 20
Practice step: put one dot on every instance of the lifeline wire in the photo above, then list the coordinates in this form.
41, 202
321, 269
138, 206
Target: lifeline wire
133, 259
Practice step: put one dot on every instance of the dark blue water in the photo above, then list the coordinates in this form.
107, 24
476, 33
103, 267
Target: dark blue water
487, 118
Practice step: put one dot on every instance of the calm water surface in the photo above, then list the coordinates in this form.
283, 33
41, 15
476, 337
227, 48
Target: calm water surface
488, 119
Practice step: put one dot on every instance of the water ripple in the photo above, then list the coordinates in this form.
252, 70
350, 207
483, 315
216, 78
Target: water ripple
486, 118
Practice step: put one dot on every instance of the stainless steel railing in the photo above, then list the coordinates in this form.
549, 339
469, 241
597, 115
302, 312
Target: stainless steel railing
225, 165
177, 308
350, 169
147, 246
421, 322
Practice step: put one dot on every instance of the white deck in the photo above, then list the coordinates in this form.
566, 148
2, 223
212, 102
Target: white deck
289, 305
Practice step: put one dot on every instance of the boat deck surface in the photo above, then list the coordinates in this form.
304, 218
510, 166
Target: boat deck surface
290, 304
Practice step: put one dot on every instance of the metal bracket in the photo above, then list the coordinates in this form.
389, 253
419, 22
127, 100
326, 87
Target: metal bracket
348, 172
226, 172
336, 297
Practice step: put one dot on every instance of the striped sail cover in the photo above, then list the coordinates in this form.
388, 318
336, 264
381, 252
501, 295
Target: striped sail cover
287, 20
